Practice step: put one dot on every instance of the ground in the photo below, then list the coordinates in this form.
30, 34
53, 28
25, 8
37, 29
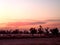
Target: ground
31, 41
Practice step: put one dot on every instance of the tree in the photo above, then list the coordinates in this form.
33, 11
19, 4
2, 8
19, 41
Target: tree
46, 29
8, 32
3, 32
40, 30
26, 32
16, 31
21, 32
55, 31
33, 31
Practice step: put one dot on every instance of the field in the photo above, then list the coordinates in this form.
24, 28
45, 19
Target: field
31, 41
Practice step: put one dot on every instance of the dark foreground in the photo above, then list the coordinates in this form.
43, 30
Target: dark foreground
31, 41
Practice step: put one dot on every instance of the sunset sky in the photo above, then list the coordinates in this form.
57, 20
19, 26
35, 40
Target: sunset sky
28, 12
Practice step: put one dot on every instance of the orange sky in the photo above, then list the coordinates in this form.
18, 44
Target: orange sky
18, 13
28, 25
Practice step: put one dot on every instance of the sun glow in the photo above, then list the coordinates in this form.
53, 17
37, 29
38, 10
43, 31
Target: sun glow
27, 11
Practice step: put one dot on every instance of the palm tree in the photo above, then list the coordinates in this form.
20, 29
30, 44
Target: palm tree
40, 30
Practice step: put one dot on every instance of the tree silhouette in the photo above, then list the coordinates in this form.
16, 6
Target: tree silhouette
46, 29
40, 30
3, 32
16, 31
26, 32
8, 32
55, 31
33, 31
21, 32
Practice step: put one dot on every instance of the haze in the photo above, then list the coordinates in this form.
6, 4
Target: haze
29, 11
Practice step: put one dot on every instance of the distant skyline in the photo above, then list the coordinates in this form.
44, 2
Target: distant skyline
28, 12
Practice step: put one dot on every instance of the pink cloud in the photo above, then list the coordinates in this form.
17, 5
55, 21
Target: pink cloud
23, 23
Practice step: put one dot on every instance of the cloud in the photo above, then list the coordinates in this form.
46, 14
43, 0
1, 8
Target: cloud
54, 20
37, 23
23, 23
